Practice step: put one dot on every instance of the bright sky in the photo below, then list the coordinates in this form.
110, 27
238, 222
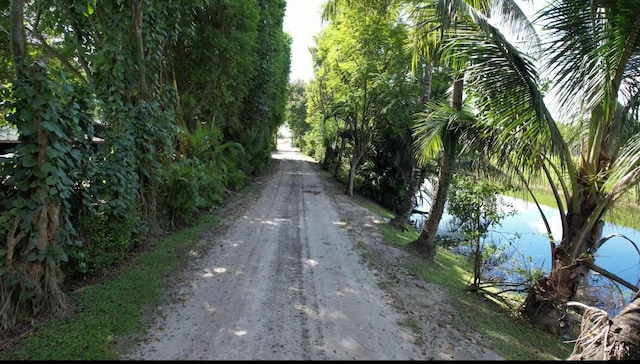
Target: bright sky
302, 20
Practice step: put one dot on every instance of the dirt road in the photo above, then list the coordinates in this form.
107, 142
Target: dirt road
287, 281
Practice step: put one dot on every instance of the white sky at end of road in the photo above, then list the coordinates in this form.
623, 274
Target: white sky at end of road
302, 21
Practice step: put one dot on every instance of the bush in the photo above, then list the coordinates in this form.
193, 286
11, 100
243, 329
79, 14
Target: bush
107, 242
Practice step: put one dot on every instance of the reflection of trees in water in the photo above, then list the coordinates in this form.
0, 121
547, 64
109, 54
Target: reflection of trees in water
509, 268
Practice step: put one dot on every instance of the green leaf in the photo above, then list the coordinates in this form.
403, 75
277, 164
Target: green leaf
26, 294
38, 172
32, 257
54, 152
27, 128
36, 103
11, 280
52, 180
29, 161
28, 284
89, 8
47, 167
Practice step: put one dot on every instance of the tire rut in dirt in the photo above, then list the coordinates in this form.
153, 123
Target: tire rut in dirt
288, 288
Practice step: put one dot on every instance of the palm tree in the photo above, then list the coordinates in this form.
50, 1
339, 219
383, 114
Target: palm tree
592, 51
437, 22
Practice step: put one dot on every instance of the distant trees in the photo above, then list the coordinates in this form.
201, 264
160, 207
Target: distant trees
297, 112
363, 82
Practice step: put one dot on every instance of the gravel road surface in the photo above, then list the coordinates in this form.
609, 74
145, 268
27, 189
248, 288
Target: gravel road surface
287, 281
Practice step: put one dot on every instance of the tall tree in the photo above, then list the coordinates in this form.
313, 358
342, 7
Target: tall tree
321, 142
37, 182
592, 50
363, 72
435, 21
213, 62
6, 71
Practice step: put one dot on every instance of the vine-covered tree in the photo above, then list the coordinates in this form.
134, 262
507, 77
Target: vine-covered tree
213, 62
265, 103
71, 208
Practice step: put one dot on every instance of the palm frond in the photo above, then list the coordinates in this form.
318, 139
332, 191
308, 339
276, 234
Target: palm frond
624, 169
430, 127
592, 47
504, 81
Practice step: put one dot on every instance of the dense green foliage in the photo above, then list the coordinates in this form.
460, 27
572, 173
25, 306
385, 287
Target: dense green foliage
361, 102
133, 117
110, 315
503, 66
297, 112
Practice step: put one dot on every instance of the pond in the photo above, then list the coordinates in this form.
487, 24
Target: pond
523, 242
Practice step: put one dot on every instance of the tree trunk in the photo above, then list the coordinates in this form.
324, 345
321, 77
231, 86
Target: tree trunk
622, 335
18, 42
570, 266
336, 170
425, 244
408, 202
624, 341
352, 171
41, 233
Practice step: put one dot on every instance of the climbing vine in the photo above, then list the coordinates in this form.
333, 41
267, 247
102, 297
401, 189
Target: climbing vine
39, 180
104, 92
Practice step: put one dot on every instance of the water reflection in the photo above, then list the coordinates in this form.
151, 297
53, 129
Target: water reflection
524, 242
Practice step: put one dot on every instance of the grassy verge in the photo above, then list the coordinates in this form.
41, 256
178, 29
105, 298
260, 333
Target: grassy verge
111, 313
509, 335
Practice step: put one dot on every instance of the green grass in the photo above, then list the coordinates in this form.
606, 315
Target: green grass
506, 333
111, 313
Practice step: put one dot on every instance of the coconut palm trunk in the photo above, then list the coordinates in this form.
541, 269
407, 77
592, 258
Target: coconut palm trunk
426, 242
605, 339
625, 344
568, 271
